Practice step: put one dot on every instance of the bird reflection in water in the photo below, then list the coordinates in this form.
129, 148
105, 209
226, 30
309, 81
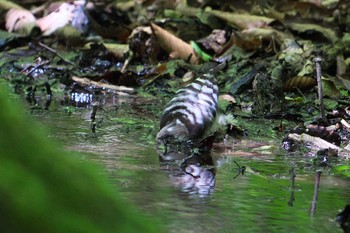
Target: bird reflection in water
192, 173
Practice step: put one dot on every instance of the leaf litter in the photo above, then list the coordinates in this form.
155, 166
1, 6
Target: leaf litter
149, 47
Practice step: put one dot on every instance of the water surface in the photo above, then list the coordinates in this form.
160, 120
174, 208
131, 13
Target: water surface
225, 200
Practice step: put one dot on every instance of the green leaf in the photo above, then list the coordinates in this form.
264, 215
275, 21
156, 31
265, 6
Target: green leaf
296, 99
200, 53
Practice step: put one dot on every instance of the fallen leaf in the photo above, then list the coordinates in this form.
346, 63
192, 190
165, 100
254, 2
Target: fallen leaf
203, 55
307, 28
307, 70
243, 21
118, 50
215, 41
7, 5
257, 36
300, 82
345, 123
304, 10
173, 45
188, 77
227, 97
341, 65
342, 81
57, 19
70, 36
267, 33
251, 43
20, 21
143, 46
296, 99
329, 88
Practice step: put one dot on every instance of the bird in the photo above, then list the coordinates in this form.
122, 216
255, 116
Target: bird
191, 112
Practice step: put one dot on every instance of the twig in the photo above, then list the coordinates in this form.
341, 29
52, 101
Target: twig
127, 61
241, 170
31, 95
120, 90
49, 95
32, 69
313, 142
343, 218
292, 180
318, 61
95, 106
56, 53
345, 123
314, 199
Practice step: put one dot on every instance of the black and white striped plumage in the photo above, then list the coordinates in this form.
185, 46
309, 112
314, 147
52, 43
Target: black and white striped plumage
191, 112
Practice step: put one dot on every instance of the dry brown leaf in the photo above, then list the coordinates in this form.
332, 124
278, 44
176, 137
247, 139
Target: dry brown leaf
255, 38
243, 21
246, 42
215, 41
227, 97
341, 65
300, 82
57, 19
20, 21
266, 33
275, 38
173, 45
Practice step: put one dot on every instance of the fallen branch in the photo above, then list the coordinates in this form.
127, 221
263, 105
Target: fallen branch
345, 123
318, 61
120, 90
313, 142
56, 53
317, 143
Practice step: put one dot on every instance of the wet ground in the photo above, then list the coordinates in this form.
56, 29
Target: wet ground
248, 188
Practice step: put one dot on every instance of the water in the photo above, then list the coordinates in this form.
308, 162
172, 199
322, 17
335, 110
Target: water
259, 200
